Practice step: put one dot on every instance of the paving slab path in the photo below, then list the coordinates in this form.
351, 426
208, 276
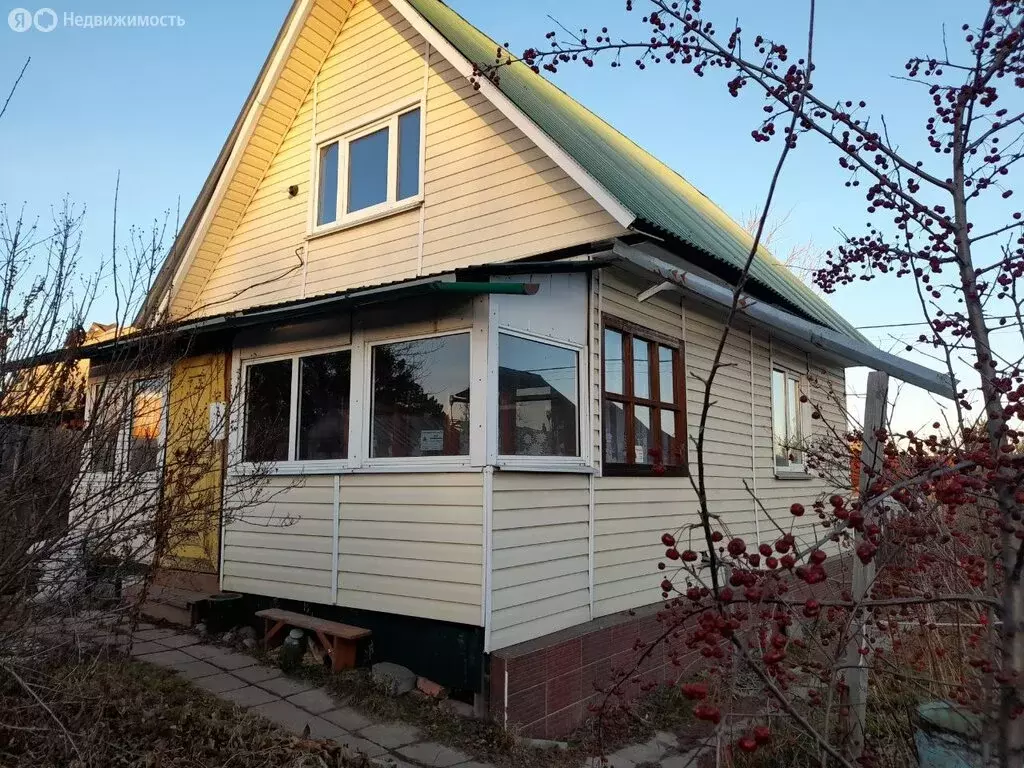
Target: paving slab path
292, 704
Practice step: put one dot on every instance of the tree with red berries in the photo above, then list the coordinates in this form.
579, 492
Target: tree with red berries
939, 516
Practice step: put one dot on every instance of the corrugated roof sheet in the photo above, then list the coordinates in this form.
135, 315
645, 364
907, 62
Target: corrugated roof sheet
656, 194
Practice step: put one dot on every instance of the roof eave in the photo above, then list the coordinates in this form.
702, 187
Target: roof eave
789, 327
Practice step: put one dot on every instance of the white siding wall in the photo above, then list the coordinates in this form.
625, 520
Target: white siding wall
632, 513
277, 538
413, 544
540, 534
408, 543
490, 194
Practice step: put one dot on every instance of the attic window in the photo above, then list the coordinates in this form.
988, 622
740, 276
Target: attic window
370, 171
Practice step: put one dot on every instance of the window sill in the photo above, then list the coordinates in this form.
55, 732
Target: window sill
540, 464
357, 219
792, 474
286, 469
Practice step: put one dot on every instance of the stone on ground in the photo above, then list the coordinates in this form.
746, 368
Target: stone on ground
393, 679
429, 687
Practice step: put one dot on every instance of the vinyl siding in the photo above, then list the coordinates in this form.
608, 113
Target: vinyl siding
540, 540
632, 513
277, 537
408, 543
489, 193
412, 544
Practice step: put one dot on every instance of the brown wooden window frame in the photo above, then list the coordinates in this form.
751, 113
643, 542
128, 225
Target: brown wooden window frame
631, 332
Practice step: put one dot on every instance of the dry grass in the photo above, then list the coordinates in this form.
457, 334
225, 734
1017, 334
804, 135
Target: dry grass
120, 713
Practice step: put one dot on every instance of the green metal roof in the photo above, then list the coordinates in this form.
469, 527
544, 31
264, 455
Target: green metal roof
658, 196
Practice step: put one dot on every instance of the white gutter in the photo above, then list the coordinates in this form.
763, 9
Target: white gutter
795, 330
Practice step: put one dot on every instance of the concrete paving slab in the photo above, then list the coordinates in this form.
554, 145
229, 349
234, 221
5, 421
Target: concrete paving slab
347, 718
286, 715
203, 651
258, 673
196, 669
231, 661
249, 696
154, 634
316, 701
432, 753
141, 648
285, 686
178, 641
166, 658
220, 683
391, 735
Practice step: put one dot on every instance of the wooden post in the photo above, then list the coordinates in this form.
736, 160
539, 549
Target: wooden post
855, 667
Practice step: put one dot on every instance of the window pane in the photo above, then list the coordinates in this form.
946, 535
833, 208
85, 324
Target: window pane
779, 418
268, 393
613, 423
327, 197
613, 370
671, 449
421, 398
537, 396
641, 369
666, 382
103, 432
147, 419
409, 154
643, 440
793, 418
368, 171
323, 406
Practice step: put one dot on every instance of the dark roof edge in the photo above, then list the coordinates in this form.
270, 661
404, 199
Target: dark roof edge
162, 281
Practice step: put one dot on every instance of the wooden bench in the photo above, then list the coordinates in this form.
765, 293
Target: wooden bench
337, 642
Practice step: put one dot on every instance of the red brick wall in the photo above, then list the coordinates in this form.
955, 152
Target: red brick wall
552, 680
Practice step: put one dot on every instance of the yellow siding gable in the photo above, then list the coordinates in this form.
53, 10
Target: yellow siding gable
490, 194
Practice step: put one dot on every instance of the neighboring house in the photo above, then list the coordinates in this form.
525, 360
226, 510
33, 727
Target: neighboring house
470, 322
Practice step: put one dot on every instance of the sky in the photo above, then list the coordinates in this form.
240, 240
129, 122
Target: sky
155, 105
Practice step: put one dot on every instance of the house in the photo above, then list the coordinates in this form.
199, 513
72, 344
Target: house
463, 325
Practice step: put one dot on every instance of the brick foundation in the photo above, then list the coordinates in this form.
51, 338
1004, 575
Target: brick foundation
551, 680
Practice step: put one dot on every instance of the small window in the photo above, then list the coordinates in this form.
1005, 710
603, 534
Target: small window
644, 404
786, 420
323, 406
268, 389
146, 429
104, 427
421, 398
538, 395
370, 170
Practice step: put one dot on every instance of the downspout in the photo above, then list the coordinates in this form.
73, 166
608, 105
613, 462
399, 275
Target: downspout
423, 150
753, 447
315, 165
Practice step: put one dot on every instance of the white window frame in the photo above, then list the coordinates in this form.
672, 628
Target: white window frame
411, 463
386, 118
579, 463
126, 414
793, 468
291, 465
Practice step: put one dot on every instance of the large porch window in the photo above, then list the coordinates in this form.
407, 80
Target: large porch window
297, 408
421, 398
538, 398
